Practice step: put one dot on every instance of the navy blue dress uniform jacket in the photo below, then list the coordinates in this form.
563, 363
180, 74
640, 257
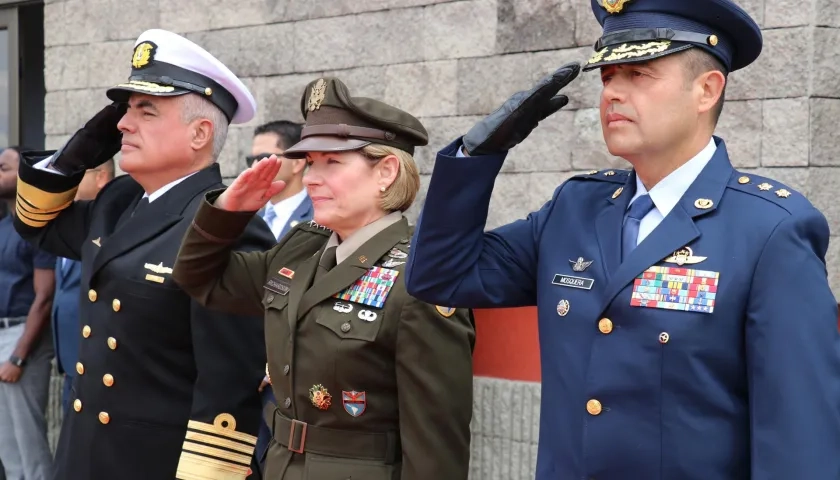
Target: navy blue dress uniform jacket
748, 389
163, 384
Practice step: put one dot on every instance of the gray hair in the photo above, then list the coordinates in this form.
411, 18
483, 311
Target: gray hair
194, 107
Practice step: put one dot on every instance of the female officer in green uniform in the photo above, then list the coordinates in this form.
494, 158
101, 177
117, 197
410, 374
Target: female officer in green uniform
371, 383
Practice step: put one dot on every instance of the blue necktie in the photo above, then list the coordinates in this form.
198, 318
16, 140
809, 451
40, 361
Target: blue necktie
637, 211
269, 216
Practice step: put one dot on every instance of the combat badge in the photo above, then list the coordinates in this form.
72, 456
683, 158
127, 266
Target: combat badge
354, 402
342, 307
391, 263
320, 397
684, 256
367, 315
580, 264
143, 54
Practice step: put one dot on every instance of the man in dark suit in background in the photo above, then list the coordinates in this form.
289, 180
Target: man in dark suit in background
65, 311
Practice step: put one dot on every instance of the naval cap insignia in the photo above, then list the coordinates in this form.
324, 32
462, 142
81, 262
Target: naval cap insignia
144, 53
614, 6
319, 91
580, 264
684, 256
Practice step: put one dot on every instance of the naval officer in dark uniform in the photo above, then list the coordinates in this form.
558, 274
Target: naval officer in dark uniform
165, 388
371, 383
687, 328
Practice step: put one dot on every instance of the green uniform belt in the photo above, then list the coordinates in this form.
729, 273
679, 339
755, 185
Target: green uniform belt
301, 437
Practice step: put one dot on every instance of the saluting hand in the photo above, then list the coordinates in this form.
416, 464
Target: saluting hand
253, 187
520, 114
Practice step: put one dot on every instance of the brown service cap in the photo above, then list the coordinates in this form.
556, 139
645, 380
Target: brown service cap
337, 122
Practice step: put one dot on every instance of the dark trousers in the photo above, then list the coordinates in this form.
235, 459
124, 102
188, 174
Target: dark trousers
65, 394
264, 436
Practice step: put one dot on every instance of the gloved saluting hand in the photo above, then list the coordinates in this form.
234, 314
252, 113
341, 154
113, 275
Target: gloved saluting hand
520, 114
93, 144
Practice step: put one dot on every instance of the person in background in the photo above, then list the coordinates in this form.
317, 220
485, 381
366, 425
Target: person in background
283, 212
292, 205
27, 284
65, 312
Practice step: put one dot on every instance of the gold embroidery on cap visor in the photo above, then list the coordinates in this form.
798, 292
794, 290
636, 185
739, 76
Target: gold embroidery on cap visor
147, 87
629, 51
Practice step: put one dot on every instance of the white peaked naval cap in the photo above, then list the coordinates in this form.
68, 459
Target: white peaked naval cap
167, 64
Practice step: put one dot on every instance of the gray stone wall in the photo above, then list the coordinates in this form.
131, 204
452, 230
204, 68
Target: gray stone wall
450, 62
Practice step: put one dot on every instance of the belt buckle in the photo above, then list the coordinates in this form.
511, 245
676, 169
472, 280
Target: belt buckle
302, 436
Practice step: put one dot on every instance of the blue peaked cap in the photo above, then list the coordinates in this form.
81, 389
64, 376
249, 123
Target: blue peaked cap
641, 30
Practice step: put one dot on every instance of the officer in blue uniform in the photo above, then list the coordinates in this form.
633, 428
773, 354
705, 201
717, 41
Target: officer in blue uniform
686, 324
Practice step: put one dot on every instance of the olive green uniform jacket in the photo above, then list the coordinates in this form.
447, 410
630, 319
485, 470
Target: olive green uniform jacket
365, 391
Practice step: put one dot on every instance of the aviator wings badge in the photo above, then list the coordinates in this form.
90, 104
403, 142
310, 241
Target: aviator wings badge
684, 256
580, 264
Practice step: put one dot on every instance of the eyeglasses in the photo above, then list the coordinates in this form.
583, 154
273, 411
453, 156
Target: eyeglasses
250, 159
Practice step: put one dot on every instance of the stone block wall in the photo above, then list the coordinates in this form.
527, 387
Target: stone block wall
451, 62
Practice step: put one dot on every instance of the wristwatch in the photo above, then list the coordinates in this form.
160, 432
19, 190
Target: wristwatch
17, 361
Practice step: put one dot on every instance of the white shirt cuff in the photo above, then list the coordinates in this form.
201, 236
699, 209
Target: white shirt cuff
44, 165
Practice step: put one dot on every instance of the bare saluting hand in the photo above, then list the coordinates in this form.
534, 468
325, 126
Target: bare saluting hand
253, 187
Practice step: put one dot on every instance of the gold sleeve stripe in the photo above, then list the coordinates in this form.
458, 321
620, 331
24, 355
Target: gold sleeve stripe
32, 208
220, 442
195, 467
222, 432
44, 200
30, 221
219, 454
38, 214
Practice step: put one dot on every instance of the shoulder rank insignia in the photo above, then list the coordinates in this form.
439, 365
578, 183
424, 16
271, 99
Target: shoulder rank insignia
684, 256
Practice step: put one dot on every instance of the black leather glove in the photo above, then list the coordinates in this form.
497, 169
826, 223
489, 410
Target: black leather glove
520, 114
93, 144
